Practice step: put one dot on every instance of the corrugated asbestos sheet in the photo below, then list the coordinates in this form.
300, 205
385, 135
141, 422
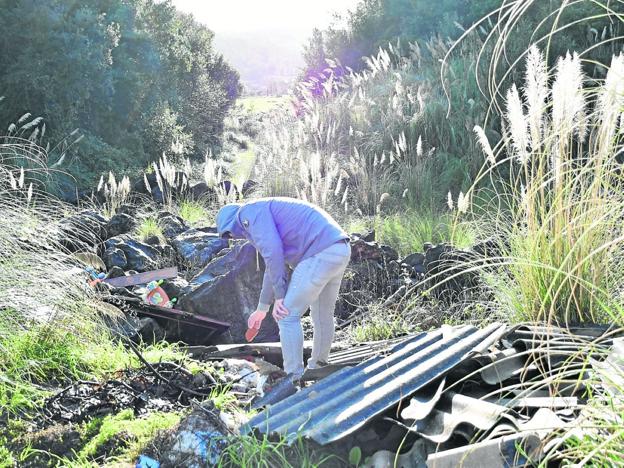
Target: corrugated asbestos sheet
343, 402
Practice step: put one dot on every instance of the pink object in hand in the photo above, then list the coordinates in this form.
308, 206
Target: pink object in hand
254, 322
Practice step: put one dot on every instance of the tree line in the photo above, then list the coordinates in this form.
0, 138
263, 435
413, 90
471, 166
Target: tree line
137, 78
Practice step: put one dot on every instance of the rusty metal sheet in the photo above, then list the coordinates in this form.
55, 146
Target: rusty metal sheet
142, 278
346, 400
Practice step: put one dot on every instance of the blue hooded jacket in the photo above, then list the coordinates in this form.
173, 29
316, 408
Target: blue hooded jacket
284, 231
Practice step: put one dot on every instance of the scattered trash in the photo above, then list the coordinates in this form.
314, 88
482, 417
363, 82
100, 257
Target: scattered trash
147, 462
155, 295
198, 441
459, 396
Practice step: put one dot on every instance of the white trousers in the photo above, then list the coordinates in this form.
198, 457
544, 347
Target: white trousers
315, 283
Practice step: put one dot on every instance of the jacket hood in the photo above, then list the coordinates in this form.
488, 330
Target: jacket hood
227, 221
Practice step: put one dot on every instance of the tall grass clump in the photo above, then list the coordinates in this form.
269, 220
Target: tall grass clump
115, 193
50, 323
408, 232
561, 225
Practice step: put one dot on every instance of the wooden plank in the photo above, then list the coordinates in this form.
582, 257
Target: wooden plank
142, 278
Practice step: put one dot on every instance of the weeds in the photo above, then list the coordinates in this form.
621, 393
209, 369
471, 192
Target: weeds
377, 327
192, 211
137, 432
115, 193
563, 230
149, 227
408, 232
264, 453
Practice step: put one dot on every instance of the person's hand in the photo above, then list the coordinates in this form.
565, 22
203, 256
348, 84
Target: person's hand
279, 310
255, 319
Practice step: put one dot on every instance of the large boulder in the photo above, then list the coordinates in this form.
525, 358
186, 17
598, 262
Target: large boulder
115, 258
201, 191
447, 268
121, 223
196, 248
228, 289
171, 225
139, 257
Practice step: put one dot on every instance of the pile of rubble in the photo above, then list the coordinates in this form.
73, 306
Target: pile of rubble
222, 282
457, 396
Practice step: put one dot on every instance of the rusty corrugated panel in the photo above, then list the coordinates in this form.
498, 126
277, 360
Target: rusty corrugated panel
343, 402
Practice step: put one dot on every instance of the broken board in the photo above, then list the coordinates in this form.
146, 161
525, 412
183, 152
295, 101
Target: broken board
142, 278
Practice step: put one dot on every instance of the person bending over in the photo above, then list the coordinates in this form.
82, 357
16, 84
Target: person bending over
303, 236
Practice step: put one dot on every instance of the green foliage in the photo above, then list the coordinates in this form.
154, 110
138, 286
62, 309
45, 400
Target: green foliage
136, 431
262, 104
243, 451
561, 230
42, 354
149, 227
408, 232
6, 457
378, 324
192, 211
138, 79
355, 456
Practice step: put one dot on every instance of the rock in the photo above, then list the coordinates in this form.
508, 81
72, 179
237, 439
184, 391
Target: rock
442, 263
197, 442
115, 258
248, 187
363, 250
201, 190
171, 224
489, 248
197, 248
154, 241
364, 283
180, 182
115, 271
121, 223
416, 263
140, 257
229, 188
370, 237
228, 289
83, 231
151, 189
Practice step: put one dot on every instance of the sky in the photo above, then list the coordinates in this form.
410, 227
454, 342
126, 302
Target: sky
264, 39
251, 15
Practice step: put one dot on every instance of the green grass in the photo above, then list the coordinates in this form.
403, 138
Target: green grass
139, 430
379, 325
149, 227
262, 104
38, 355
408, 232
247, 451
34, 357
243, 165
193, 212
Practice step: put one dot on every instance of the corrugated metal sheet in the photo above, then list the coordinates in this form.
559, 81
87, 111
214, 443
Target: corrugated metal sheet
343, 402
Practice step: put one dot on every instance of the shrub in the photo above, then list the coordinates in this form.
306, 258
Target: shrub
562, 237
